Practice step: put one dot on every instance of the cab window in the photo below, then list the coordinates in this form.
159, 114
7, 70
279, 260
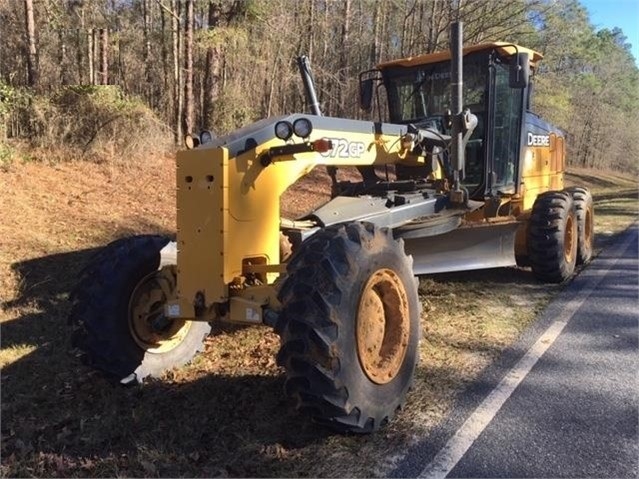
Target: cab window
508, 112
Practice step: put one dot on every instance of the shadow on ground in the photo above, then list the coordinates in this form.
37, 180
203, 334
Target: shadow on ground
590, 179
61, 419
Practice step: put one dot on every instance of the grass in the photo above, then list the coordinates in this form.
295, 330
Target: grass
616, 199
15, 352
225, 414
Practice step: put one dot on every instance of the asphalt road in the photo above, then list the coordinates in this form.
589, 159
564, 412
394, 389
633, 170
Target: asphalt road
564, 401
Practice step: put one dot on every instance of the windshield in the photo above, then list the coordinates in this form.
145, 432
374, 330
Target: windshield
422, 92
421, 95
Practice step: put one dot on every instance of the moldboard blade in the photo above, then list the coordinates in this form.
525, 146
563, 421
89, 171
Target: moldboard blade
465, 248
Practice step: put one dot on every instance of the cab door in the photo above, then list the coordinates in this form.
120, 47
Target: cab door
505, 135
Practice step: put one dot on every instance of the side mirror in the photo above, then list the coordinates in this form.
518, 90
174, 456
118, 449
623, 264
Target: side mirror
519, 71
366, 94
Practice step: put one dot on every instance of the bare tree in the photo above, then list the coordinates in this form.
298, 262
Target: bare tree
75, 10
165, 52
146, 5
32, 52
212, 70
104, 56
91, 55
177, 72
188, 69
345, 57
377, 26
64, 71
311, 33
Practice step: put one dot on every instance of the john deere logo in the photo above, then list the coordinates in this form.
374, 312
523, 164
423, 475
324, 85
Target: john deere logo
538, 140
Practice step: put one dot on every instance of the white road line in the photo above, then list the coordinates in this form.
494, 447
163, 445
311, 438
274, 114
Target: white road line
448, 457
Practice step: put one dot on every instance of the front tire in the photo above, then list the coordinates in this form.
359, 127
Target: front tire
585, 213
349, 327
552, 237
118, 312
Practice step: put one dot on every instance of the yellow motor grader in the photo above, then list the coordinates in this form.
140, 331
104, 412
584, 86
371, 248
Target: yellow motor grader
461, 176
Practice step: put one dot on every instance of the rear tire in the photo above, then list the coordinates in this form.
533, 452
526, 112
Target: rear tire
552, 237
349, 327
585, 213
118, 312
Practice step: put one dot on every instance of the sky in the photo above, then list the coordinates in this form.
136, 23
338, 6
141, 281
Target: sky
617, 13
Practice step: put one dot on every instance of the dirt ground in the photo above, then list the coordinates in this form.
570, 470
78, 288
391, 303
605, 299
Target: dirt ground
225, 414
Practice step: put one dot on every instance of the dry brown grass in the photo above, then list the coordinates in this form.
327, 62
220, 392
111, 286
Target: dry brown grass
225, 414
96, 123
616, 197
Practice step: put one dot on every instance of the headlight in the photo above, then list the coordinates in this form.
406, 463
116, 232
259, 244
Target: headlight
191, 141
206, 137
303, 127
283, 130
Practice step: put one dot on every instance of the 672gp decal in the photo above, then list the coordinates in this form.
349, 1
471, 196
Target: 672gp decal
342, 148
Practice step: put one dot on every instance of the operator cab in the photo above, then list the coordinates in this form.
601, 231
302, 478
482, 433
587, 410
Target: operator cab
419, 93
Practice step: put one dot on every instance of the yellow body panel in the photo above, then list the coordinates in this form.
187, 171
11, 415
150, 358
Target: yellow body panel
229, 208
201, 204
543, 170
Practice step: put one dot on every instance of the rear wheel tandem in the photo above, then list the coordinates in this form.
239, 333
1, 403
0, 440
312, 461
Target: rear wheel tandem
349, 327
118, 311
552, 237
584, 211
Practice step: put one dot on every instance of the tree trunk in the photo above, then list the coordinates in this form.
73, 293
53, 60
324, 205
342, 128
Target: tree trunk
408, 29
79, 39
382, 32
122, 69
323, 82
91, 55
212, 70
377, 23
188, 69
147, 44
345, 63
63, 72
177, 75
430, 44
104, 56
165, 52
78, 56
311, 27
32, 52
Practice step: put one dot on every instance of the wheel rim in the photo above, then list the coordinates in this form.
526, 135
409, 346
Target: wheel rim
383, 326
149, 327
569, 239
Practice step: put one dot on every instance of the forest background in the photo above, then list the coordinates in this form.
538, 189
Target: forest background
119, 80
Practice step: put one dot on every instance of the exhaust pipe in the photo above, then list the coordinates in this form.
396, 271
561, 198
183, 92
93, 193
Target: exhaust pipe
304, 66
457, 101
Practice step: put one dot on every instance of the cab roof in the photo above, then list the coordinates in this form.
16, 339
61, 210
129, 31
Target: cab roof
504, 48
